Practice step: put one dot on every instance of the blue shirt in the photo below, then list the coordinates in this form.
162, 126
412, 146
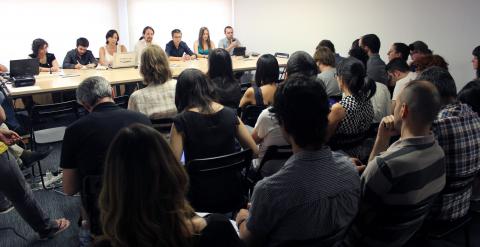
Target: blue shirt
173, 51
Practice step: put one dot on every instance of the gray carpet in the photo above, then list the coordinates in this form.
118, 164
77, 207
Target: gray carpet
54, 204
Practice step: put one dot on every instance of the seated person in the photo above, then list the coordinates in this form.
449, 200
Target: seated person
200, 118
145, 41
266, 78
267, 133
326, 64
456, 130
476, 56
157, 100
48, 62
167, 219
301, 62
220, 71
370, 43
418, 50
203, 45
3, 69
428, 61
400, 75
469, 95
86, 141
229, 42
80, 57
350, 119
314, 197
177, 50
401, 180
328, 44
16, 193
398, 50
107, 52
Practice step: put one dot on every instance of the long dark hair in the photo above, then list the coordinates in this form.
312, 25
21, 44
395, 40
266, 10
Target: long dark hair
110, 34
354, 76
476, 52
200, 38
145, 30
194, 89
38, 44
142, 201
267, 70
220, 65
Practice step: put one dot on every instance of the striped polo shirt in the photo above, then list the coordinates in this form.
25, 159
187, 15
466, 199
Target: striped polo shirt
398, 188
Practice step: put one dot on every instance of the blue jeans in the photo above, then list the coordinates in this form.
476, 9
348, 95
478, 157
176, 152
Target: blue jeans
14, 188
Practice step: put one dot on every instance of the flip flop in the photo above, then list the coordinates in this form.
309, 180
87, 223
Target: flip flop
62, 225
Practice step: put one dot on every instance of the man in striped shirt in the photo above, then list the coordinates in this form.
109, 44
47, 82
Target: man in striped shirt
401, 182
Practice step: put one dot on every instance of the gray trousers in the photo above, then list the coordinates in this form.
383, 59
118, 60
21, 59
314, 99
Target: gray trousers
14, 188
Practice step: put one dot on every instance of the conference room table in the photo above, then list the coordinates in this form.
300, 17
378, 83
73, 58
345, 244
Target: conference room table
69, 79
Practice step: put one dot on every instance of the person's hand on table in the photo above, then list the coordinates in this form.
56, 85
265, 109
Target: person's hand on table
78, 66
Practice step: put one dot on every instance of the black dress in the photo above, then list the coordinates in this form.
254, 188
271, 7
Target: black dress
50, 59
207, 135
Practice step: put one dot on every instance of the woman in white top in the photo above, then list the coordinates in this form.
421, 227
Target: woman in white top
107, 52
157, 100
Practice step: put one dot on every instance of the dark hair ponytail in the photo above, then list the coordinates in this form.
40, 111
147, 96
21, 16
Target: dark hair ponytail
354, 76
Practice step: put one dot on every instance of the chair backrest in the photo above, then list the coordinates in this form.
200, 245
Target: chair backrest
244, 86
276, 153
162, 125
281, 77
274, 156
218, 185
250, 114
91, 187
122, 101
64, 110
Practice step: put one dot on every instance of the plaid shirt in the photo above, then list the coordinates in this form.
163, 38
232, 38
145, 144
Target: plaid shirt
155, 100
457, 129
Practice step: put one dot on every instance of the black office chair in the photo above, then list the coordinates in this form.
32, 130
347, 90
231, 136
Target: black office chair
122, 101
47, 125
284, 69
91, 187
250, 114
219, 185
274, 158
244, 86
162, 125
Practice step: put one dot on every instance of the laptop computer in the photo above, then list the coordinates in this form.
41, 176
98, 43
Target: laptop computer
239, 51
24, 67
124, 60
23, 71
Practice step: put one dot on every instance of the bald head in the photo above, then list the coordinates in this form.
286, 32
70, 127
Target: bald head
422, 100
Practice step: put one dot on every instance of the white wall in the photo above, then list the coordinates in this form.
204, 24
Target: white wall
59, 22
449, 27
186, 15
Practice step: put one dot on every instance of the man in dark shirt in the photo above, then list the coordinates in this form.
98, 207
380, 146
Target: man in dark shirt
177, 50
370, 43
86, 141
80, 56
